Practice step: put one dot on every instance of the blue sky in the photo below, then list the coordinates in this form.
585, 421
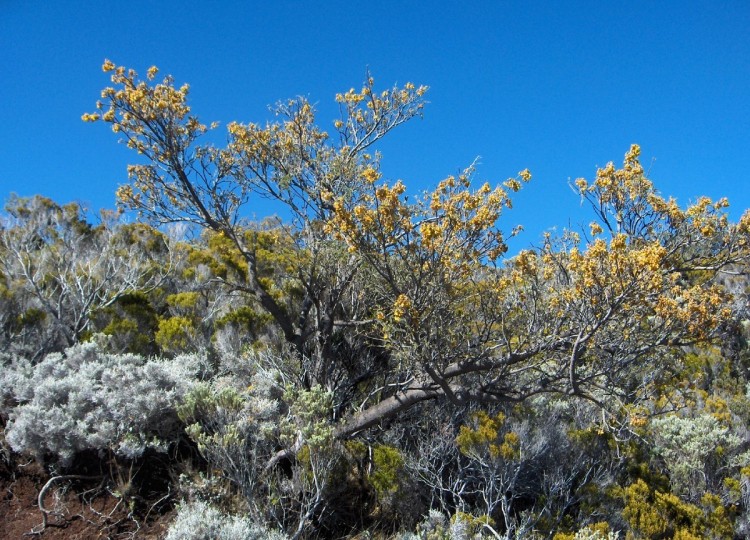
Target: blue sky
558, 87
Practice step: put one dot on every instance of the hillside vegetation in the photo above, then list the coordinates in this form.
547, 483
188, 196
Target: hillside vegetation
373, 364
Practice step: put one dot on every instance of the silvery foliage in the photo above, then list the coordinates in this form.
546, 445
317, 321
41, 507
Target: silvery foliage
85, 399
548, 468
201, 521
234, 425
14, 372
437, 526
689, 446
590, 534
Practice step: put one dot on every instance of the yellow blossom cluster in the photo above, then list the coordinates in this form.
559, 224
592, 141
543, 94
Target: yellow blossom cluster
384, 99
646, 259
379, 218
364, 109
253, 141
489, 438
696, 309
627, 202
514, 184
277, 146
370, 175
401, 307
608, 273
140, 112
596, 228
458, 217
453, 229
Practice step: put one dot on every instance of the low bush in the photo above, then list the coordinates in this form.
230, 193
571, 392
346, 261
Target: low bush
201, 521
84, 400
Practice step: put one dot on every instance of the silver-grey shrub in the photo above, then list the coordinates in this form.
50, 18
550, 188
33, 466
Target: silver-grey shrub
85, 399
201, 521
15, 371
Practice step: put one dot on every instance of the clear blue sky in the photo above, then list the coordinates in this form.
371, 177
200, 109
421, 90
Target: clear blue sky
558, 87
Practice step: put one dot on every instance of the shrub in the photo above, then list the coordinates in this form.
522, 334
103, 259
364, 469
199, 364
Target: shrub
693, 450
14, 371
88, 400
176, 334
436, 526
201, 521
597, 531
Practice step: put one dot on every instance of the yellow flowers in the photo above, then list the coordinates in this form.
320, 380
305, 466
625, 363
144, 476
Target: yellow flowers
452, 227
619, 242
489, 437
512, 184
650, 256
431, 232
631, 158
350, 97
401, 307
368, 107
370, 175
525, 262
147, 113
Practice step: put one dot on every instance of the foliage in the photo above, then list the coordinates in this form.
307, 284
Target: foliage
388, 466
89, 400
654, 514
130, 323
200, 521
235, 431
374, 362
175, 334
693, 449
599, 531
60, 269
560, 318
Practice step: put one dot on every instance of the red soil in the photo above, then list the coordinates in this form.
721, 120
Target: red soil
79, 509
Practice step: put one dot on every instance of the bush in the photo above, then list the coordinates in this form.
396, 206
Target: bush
436, 526
176, 334
201, 521
694, 450
88, 400
14, 372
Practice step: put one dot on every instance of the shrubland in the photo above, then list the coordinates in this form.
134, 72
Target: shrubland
375, 362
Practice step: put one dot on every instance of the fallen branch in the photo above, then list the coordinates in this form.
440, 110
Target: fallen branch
43, 492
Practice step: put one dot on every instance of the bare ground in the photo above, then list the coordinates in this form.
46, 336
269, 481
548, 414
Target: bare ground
78, 509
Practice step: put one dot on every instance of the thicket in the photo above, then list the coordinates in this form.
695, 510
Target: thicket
375, 364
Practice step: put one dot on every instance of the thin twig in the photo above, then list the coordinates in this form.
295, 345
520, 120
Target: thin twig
169, 494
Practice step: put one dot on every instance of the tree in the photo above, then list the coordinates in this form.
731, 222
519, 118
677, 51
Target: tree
62, 268
407, 300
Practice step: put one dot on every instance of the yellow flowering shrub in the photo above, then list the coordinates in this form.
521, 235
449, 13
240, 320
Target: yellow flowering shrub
361, 272
654, 514
489, 437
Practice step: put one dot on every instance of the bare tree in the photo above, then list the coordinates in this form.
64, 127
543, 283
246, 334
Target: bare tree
64, 268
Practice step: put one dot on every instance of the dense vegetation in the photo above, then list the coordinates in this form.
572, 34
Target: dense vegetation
372, 361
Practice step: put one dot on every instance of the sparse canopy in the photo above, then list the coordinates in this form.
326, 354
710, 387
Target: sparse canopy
374, 362
419, 283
